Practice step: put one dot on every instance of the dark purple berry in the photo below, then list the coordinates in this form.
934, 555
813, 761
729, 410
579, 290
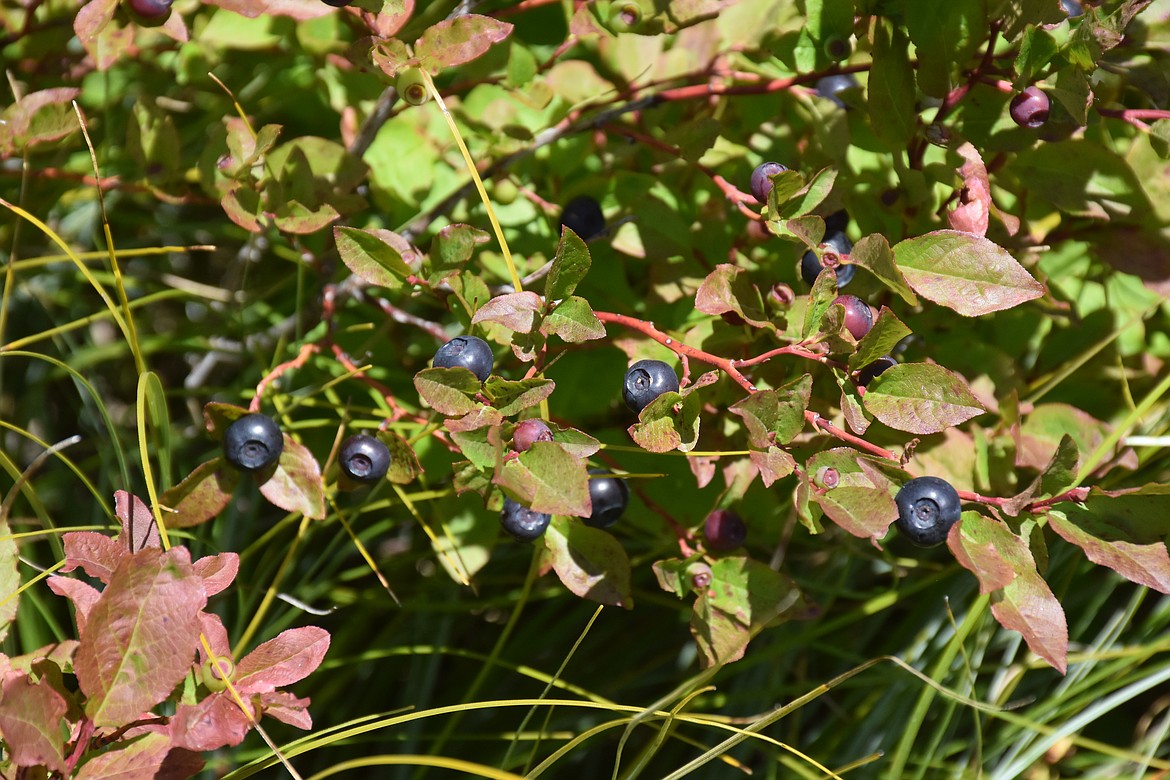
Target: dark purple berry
828, 87
1030, 108
838, 244
336, 3
583, 216
468, 352
876, 368
858, 315
253, 442
724, 530
151, 9
609, 495
836, 222
927, 508
521, 523
645, 381
364, 458
761, 185
528, 432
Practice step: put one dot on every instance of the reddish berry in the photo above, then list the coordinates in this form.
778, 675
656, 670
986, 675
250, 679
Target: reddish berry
724, 530
858, 315
528, 432
1030, 108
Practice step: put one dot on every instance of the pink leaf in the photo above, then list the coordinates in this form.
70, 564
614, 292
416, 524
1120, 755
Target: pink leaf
202, 494
211, 625
291, 656
1146, 564
97, 554
296, 485
297, 9
459, 40
128, 759
30, 721
82, 594
515, 311
139, 530
214, 723
971, 215
140, 636
217, 571
287, 709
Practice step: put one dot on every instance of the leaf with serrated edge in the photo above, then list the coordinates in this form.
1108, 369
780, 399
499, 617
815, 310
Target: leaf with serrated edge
512, 396
920, 398
371, 256
549, 479
291, 656
574, 321
886, 332
140, 636
964, 272
569, 266
448, 390
1020, 598
515, 311
296, 484
590, 562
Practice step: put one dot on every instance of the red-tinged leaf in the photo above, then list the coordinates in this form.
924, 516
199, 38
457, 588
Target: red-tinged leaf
576, 443
975, 546
859, 494
32, 723
211, 625
1021, 601
217, 571
289, 657
703, 467
1146, 564
448, 391
292, 216
773, 464
82, 594
744, 596
213, 723
60, 654
966, 273
728, 289
459, 40
775, 416
38, 117
97, 554
10, 581
1137, 514
661, 429
1058, 475
390, 55
179, 765
287, 709
296, 484
481, 417
128, 759
920, 398
390, 18
296, 9
515, 311
1045, 427
139, 530
92, 19
510, 397
375, 256
242, 206
201, 496
548, 479
140, 636
972, 215
590, 562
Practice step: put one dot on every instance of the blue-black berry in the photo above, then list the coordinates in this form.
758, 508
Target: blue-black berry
468, 352
253, 442
609, 495
364, 458
875, 369
583, 216
1030, 108
828, 87
521, 523
761, 184
724, 530
837, 222
927, 508
645, 381
810, 266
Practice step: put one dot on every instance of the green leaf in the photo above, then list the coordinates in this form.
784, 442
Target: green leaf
920, 398
9, 578
860, 500
483, 446
945, 36
873, 253
548, 479
1081, 178
574, 321
661, 429
375, 256
891, 87
964, 272
404, 464
590, 562
885, 334
296, 484
140, 636
1020, 599
775, 416
569, 266
451, 248
448, 391
809, 196
1037, 48
510, 397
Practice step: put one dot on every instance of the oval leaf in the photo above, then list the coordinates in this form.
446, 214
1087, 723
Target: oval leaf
296, 485
964, 272
590, 562
920, 398
372, 256
459, 40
